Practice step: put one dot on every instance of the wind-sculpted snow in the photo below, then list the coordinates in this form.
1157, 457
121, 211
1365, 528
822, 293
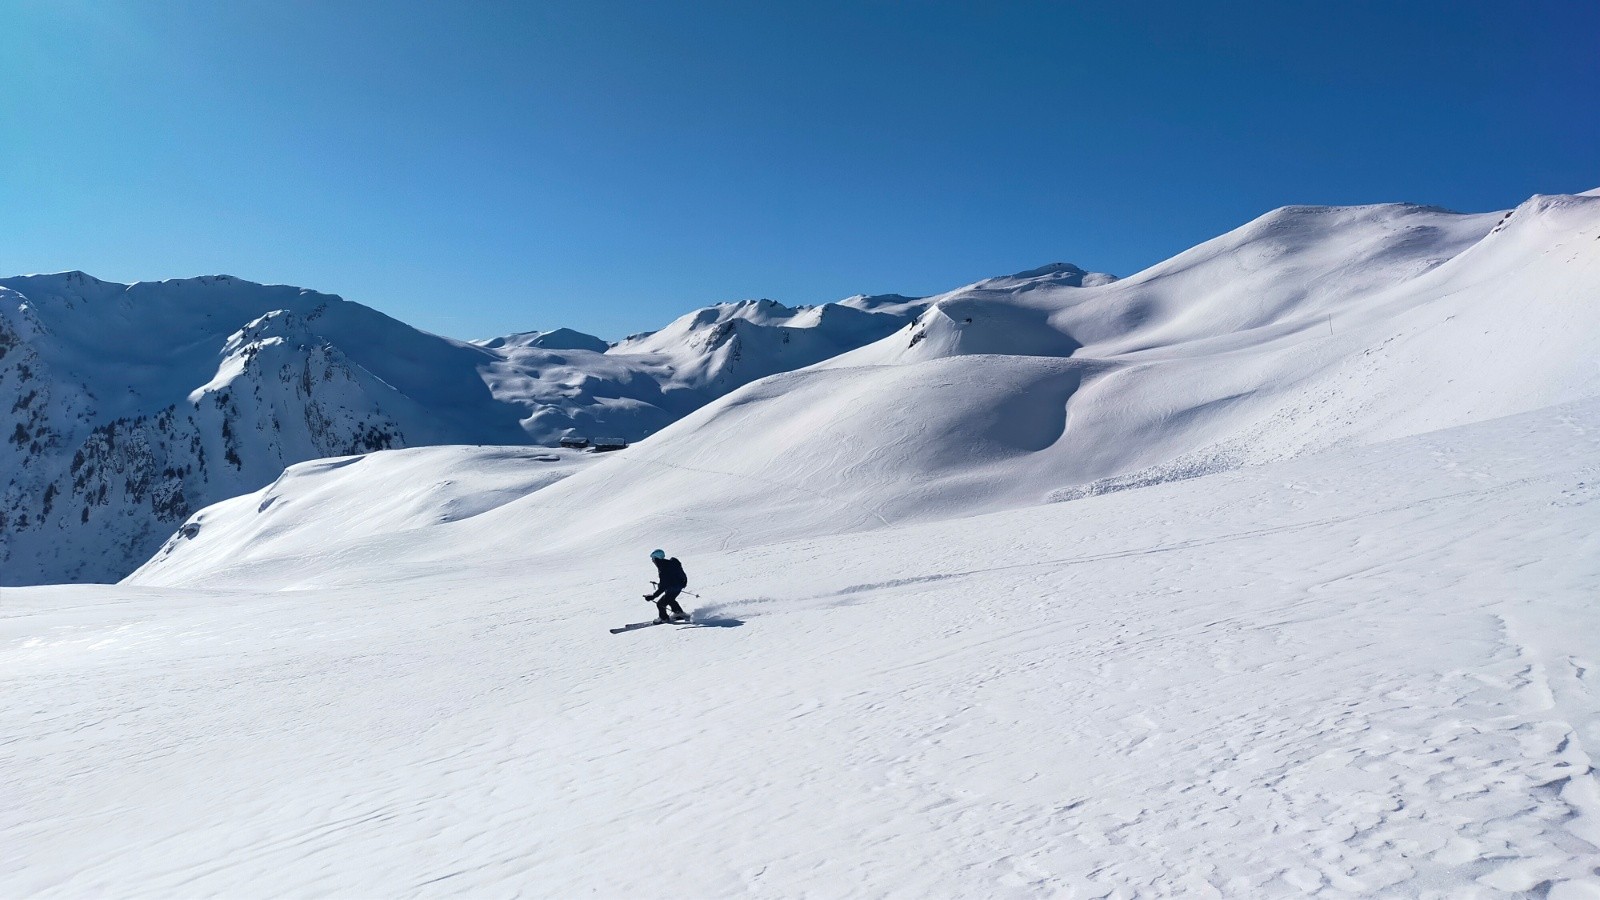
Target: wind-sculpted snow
1369, 672
350, 503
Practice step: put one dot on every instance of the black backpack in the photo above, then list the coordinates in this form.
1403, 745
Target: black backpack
672, 574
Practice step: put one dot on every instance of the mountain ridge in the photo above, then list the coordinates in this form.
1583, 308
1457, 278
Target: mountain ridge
1302, 331
1305, 328
136, 404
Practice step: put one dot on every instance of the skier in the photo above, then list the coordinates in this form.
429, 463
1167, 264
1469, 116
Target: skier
670, 580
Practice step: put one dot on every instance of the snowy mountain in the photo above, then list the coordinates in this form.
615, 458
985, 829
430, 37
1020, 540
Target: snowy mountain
714, 350
1306, 330
711, 351
560, 339
134, 405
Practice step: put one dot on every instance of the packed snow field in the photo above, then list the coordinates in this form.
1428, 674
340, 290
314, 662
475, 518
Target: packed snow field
1371, 671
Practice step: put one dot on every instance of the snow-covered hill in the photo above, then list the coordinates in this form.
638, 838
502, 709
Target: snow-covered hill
1307, 329
1304, 330
352, 505
1368, 672
130, 406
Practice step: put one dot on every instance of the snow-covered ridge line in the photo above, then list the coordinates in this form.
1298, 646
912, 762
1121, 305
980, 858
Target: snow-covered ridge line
1304, 330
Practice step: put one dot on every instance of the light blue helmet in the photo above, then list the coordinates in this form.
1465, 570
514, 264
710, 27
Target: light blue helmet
658, 554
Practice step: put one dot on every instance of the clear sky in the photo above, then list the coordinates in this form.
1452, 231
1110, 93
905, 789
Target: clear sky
478, 168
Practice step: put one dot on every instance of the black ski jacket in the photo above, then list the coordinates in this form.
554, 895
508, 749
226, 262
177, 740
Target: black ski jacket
670, 574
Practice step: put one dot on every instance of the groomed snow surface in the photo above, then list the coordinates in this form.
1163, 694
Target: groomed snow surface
1366, 672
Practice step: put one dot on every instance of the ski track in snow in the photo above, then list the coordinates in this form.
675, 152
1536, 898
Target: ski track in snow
1368, 673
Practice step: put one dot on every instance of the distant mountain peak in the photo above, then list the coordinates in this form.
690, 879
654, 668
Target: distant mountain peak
559, 339
1056, 273
1055, 268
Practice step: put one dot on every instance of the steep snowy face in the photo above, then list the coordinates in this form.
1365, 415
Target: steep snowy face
136, 404
583, 392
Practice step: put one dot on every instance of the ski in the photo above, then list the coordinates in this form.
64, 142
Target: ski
634, 626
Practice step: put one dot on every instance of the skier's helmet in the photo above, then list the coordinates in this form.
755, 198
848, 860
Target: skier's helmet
658, 554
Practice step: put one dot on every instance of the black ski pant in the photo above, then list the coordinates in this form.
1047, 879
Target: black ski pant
669, 600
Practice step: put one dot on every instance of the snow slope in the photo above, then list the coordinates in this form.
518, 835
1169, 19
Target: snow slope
1308, 329
350, 504
1365, 672
1305, 330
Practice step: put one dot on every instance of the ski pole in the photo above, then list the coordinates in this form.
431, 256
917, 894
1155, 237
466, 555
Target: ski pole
657, 585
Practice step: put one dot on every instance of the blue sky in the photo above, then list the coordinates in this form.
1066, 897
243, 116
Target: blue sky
480, 168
